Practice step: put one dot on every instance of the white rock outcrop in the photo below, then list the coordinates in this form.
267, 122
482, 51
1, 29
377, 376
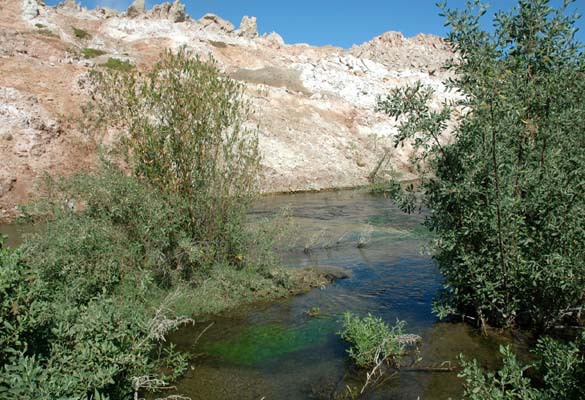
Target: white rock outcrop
274, 39
212, 22
137, 8
31, 8
174, 12
248, 28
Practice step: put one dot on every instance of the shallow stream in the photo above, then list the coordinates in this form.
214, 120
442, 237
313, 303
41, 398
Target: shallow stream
278, 351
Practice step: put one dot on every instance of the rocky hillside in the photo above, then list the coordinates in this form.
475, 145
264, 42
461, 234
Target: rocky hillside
314, 105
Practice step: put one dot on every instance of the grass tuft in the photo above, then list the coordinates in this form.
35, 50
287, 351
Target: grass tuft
81, 34
118, 65
92, 53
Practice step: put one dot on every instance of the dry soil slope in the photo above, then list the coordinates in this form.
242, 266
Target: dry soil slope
314, 105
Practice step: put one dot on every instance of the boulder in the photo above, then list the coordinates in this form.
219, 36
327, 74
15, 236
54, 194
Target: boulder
248, 28
213, 23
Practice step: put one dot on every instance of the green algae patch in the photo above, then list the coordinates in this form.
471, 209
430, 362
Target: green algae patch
262, 343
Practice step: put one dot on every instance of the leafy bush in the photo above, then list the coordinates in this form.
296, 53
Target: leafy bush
82, 302
559, 374
85, 303
187, 135
372, 340
507, 191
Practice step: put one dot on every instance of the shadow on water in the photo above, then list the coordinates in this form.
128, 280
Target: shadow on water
278, 351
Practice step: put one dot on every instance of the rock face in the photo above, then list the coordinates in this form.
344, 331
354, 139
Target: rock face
213, 23
274, 39
423, 52
70, 4
248, 28
174, 12
24, 124
31, 9
137, 8
314, 106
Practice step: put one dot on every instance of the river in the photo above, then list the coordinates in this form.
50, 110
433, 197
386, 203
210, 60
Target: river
279, 351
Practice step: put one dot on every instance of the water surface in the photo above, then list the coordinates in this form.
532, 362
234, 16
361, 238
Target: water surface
278, 351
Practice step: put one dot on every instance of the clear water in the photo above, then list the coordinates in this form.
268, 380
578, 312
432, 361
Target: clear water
277, 351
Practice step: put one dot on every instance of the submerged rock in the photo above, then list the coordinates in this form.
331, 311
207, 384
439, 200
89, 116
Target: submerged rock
332, 273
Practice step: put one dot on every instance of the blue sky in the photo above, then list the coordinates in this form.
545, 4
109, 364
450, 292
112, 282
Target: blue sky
337, 22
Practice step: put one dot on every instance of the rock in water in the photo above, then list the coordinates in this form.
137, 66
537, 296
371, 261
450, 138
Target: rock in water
248, 28
137, 8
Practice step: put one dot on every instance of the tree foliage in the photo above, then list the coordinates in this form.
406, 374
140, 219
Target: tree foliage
507, 191
557, 373
187, 133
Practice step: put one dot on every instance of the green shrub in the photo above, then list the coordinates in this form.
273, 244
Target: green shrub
47, 32
558, 373
92, 53
372, 340
194, 146
509, 382
118, 65
40, 26
506, 193
80, 33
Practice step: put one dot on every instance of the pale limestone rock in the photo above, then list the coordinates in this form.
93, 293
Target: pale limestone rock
248, 28
213, 23
274, 39
106, 12
31, 8
422, 52
174, 12
137, 8
70, 4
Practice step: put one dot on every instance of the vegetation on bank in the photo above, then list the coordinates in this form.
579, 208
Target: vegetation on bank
124, 259
558, 373
506, 192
